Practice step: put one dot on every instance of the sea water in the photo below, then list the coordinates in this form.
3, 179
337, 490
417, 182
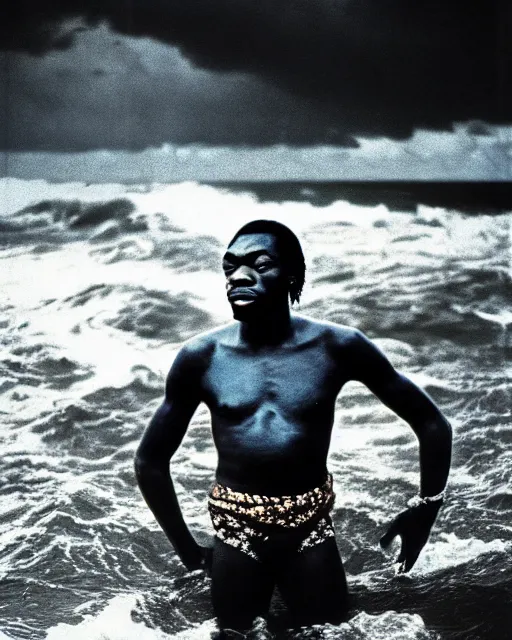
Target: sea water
100, 284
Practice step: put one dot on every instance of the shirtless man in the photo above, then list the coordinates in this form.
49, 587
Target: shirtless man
270, 382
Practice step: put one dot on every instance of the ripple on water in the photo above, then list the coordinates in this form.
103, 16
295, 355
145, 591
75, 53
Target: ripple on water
159, 315
41, 365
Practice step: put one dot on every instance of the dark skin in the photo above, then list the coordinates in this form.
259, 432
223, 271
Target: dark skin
270, 382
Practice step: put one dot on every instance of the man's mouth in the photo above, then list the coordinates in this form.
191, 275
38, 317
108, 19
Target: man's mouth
241, 302
241, 298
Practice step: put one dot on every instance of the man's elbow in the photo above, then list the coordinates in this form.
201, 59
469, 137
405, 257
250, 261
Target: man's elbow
443, 428
437, 430
146, 465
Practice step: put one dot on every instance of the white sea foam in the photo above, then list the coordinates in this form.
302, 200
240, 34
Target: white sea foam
450, 551
114, 622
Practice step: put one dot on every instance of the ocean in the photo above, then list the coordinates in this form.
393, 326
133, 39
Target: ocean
102, 283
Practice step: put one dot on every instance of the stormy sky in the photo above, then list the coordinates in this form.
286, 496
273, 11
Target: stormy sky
82, 75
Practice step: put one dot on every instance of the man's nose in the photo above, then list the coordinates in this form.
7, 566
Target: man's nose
241, 275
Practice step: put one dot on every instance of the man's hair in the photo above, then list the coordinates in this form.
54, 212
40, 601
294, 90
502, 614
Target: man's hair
290, 251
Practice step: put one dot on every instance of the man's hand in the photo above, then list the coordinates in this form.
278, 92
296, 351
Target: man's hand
203, 560
413, 526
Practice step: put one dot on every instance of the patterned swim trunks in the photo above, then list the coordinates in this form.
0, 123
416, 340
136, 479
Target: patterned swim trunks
245, 521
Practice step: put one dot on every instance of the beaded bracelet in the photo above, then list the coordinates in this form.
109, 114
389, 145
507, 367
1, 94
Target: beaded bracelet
417, 501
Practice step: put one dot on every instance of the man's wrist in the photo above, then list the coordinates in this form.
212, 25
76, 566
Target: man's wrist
418, 501
193, 559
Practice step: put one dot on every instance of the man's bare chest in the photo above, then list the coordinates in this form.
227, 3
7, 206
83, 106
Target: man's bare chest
293, 381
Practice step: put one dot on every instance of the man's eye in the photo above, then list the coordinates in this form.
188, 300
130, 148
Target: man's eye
264, 266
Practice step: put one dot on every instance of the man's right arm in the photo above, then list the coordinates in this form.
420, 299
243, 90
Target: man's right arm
159, 443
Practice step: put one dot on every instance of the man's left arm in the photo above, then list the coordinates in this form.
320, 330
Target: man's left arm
371, 367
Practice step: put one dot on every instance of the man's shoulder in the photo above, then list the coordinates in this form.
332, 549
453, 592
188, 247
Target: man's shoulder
360, 356
336, 334
202, 346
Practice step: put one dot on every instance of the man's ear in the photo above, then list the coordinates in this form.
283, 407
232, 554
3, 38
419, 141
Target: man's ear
292, 280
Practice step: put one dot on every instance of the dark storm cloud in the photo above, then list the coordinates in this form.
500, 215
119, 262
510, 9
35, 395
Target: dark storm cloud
112, 92
379, 67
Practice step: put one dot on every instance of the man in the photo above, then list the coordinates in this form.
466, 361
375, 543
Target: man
270, 381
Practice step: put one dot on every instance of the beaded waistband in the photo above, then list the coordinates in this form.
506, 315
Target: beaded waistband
288, 511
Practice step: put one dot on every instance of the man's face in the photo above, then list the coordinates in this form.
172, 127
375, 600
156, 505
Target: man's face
255, 277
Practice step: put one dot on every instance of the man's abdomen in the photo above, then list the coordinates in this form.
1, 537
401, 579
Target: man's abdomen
271, 454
